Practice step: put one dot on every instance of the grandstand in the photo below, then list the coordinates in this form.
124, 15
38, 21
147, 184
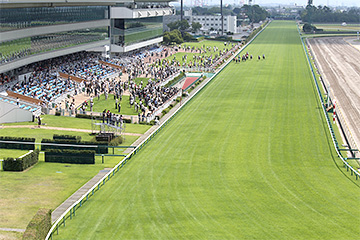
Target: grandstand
49, 42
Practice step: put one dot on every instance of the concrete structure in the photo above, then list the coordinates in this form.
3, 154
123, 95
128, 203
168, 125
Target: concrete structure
32, 31
12, 110
213, 23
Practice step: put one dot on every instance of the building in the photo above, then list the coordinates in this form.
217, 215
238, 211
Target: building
32, 31
213, 23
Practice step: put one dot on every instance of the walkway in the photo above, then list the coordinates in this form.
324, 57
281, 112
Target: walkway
62, 129
12, 230
77, 195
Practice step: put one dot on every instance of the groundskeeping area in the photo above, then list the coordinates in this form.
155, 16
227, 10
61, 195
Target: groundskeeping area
250, 157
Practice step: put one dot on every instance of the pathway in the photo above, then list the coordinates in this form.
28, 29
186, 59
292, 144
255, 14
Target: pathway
12, 230
62, 129
77, 195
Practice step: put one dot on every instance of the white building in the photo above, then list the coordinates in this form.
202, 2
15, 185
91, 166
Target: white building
213, 23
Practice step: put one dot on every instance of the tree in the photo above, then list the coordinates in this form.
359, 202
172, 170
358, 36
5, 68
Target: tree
179, 25
188, 37
184, 25
308, 27
173, 25
173, 37
195, 26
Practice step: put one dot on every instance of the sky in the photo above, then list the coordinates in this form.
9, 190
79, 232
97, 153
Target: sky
349, 3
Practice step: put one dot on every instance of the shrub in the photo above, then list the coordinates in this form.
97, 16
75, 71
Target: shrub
126, 120
17, 145
176, 79
165, 111
67, 137
20, 164
116, 141
79, 115
39, 225
101, 146
70, 156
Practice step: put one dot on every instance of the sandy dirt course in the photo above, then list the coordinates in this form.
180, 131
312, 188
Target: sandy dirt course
339, 65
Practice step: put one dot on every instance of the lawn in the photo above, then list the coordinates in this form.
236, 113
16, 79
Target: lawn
109, 104
69, 122
339, 27
207, 43
336, 27
249, 158
46, 185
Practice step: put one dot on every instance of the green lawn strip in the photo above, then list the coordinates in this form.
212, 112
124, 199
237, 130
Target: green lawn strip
249, 158
69, 122
41, 133
14, 153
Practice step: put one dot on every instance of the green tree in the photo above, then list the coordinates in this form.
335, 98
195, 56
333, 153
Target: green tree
195, 26
173, 25
184, 25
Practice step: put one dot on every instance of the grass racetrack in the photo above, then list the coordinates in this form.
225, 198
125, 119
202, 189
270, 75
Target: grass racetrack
248, 158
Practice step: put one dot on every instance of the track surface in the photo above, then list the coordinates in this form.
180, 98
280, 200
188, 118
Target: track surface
339, 63
248, 158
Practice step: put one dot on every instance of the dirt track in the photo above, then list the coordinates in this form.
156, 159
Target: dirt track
339, 65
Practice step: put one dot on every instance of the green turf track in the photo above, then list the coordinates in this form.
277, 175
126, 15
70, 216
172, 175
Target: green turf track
248, 158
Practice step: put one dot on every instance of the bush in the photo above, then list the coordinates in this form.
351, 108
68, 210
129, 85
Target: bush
67, 137
116, 141
126, 120
78, 115
101, 146
176, 79
20, 164
17, 145
70, 156
308, 27
39, 225
165, 111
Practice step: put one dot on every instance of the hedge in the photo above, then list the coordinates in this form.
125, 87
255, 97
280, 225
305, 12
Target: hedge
70, 156
88, 116
176, 79
20, 164
39, 225
67, 137
17, 145
101, 146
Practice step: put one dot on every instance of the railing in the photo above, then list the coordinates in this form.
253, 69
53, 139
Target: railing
331, 130
70, 212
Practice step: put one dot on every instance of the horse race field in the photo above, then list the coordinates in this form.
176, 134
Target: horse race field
249, 158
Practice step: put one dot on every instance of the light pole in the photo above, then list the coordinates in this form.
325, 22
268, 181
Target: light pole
181, 10
222, 18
